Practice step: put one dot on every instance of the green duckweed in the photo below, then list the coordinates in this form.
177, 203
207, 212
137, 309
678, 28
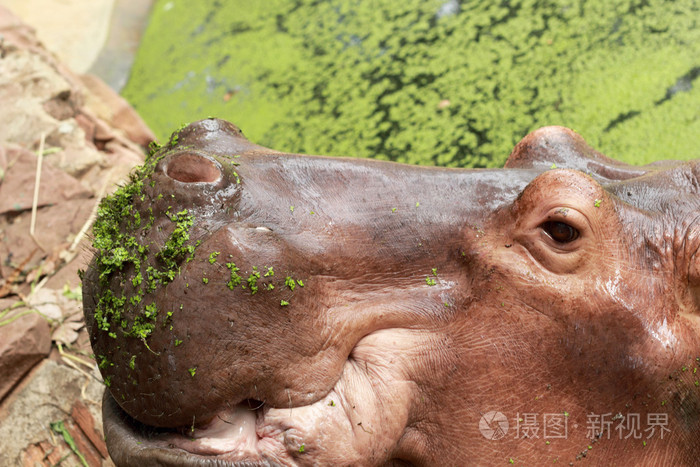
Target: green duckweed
122, 255
434, 82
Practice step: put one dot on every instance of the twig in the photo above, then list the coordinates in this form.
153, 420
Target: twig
35, 202
17, 316
41, 284
37, 180
16, 304
65, 354
77, 368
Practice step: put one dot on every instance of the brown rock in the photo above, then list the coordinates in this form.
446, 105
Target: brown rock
67, 276
61, 106
111, 107
46, 395
88, 126
103, 132
17, 188
22, 120
56, 227
3, 162
43, 454
84, 419
23, 343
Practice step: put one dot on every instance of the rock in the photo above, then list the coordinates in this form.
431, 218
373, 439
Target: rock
23, 343
92, 141
72, 151
61, 106
85, 156
67, 276
48, 396
111, 107
56, 227
79, 116
17, 188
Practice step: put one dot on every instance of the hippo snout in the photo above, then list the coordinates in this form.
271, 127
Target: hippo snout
252, 307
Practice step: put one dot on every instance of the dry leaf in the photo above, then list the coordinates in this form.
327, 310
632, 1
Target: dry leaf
48, 303
67, 332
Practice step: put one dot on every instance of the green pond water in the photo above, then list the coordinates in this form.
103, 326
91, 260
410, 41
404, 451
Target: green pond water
434, 82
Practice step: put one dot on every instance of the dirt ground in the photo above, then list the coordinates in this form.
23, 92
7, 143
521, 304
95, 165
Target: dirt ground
65, 141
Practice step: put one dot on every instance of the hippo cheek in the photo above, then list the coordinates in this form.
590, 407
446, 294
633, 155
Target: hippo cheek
249, 300
270, 382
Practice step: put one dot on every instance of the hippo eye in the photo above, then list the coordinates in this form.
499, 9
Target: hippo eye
560, 231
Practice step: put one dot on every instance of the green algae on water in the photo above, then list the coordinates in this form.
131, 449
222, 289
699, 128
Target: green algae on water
432, 82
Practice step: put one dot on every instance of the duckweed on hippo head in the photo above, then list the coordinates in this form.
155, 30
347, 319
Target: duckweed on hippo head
125, 250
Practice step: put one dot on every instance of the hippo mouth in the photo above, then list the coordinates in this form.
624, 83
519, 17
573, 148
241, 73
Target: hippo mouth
247, 434
242, 435
357, 422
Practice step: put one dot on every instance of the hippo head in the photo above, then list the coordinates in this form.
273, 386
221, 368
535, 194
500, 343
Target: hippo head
249, 307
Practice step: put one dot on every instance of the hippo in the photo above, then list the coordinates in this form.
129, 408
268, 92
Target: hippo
253, 307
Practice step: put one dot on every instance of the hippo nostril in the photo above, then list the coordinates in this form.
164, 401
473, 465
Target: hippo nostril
192, 168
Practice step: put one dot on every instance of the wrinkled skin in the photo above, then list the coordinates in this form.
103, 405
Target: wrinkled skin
570, 290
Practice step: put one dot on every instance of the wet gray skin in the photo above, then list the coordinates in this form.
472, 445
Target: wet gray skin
283, 309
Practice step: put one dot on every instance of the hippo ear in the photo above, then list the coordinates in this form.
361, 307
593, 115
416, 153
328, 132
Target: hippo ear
564, 148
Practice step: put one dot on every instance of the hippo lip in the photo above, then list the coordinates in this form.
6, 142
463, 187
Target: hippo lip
241, 435
254, 433
232, 438
244, 435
